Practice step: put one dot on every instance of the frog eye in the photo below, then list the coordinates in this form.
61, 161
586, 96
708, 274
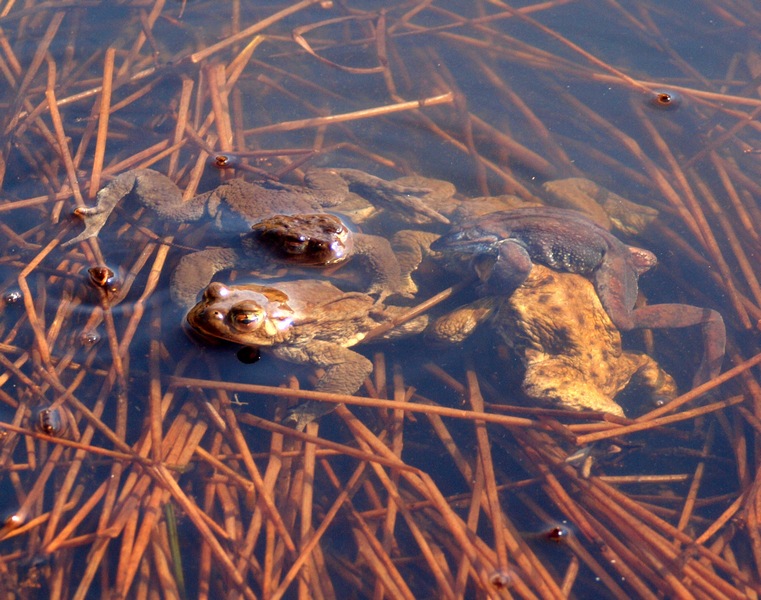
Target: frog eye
215, 291
295, 244
331, 224
246, 316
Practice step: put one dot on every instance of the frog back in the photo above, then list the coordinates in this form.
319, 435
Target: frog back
557, 314
324, 312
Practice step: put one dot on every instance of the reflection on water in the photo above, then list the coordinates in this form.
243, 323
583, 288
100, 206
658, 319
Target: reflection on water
498, 101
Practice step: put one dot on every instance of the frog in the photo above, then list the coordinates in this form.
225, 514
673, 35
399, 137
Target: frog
569, 347
504, 246
606, 208
307, 321
237, 204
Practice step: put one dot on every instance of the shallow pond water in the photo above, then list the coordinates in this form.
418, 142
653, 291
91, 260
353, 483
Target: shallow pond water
168, 468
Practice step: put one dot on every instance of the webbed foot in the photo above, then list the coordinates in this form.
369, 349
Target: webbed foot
406, 198
95, 217
152, 188
302, 415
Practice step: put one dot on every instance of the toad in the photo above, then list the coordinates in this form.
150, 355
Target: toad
305, 322
236, 205
606, 208
503, 247
566, 341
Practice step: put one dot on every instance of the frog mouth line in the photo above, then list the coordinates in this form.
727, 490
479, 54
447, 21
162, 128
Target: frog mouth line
460, 243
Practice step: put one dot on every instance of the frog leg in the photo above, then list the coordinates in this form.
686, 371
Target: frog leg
386, 273
648, 374
345, 371
153, 189
662, 316
553, 380
196, 270
411, 247
604, 207
459, 324
508, 271
616, 282
373, 188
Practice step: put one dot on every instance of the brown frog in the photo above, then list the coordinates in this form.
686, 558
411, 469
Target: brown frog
504, 246
286, 236
605, 208
568, 344
236, 205
305, 322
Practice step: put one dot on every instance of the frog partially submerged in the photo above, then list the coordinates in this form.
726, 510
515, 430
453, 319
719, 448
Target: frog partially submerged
503, 246
566, 341
236, 205
305, 322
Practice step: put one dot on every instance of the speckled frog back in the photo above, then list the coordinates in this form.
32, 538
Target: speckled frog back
558, 314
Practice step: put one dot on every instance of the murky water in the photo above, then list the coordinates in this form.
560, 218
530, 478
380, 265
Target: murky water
656, 103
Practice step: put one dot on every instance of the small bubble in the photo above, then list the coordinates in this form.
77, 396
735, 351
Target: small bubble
12, 296
12, 522
248, 355
89, 338
104, 278
225, 161
558, 534
51, 421
665, 99
501, 579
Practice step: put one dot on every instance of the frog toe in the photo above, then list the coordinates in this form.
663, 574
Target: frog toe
302, 415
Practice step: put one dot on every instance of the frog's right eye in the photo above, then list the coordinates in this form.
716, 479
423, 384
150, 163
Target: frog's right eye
246, 316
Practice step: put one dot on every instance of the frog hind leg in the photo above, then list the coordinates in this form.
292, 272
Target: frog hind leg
662, 316
411, 247
649, 376
345, 371
375, 189
554, 381
95, 217
615, 282
459, 324
153, 189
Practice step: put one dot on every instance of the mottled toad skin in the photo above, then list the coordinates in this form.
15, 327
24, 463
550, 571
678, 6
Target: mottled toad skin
305, 322
237, 205
569, 241
605, 208
570, 348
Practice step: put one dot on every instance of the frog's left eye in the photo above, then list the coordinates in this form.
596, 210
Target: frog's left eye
246, 316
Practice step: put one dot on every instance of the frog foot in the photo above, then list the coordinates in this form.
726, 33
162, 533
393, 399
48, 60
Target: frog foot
302, 415
404, 197
95, 217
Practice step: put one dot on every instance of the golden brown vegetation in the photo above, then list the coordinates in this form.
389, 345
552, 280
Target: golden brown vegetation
169, 478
